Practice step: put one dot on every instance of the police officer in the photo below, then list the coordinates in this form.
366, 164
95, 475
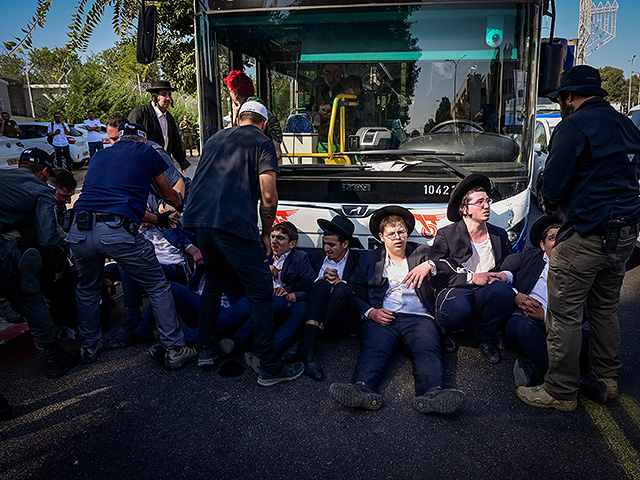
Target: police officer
591, 179
107, 218
28, 224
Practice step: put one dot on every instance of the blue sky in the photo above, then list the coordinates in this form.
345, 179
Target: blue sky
16, 13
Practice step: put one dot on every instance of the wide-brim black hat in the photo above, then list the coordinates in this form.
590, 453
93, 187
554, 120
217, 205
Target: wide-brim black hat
155, 87
581, 79
384, 212
466, 184
539, 226
343, 225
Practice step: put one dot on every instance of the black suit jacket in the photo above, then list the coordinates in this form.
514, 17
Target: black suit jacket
146, 116
317, 257
526, 268
370, 287
296, 272
452, 247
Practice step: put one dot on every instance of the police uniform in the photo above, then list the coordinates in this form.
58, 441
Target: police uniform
107, 217
27, 219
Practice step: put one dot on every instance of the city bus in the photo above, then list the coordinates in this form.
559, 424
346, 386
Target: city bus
383, 102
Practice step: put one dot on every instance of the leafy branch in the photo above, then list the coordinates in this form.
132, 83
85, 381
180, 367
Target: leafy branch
37, 21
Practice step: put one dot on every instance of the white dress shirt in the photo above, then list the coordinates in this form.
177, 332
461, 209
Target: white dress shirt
400, 298
539, 291
162, 118
331, 264
279, 263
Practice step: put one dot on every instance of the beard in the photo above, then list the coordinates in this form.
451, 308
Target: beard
565, 108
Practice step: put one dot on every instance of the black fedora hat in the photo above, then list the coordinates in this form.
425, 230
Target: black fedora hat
384, 212
582, 79
155, 87
466, 184
343, 225
539, 226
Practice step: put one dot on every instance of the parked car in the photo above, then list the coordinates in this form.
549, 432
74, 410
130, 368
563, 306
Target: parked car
103, 133
34, 134
634, 115
10, 150
545, 123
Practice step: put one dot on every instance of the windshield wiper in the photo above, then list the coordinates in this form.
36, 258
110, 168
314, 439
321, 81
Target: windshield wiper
458, 170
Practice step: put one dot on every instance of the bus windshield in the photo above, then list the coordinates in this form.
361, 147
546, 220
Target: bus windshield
416, 85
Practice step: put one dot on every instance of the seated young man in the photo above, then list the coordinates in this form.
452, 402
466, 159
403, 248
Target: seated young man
468, 255
525, 332
397, 316
290, 269
331, 306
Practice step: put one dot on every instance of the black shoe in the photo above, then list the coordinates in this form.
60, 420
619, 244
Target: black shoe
490, 352
90, 355
355, 395
448, 345
439, 400
59, 362
6, 413
289, 371
525, 373
593, 388
157, 353
312, 368
292, 353
29, 266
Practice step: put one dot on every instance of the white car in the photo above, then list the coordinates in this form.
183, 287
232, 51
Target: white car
10, 150
545, 123
103, 133
634, 115
34, 134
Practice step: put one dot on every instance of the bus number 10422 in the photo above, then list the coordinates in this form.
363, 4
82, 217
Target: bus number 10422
437, 189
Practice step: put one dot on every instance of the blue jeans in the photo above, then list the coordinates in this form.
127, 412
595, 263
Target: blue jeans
487, 307
419, 338
93, 147
249, 261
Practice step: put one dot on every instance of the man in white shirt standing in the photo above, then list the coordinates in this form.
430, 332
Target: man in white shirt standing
94, 127
397, 316
59, 130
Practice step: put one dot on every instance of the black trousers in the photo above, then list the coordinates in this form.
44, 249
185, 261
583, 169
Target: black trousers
333, 306
249, 261
63, 152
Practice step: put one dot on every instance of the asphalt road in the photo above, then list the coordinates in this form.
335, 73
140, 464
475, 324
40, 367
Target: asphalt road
126, 417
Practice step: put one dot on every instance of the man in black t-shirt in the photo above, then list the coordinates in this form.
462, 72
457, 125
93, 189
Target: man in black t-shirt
238, 167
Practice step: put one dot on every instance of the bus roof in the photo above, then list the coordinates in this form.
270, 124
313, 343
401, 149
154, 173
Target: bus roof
213, 6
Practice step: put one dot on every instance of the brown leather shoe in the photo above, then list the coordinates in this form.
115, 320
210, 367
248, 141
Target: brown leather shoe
538, 397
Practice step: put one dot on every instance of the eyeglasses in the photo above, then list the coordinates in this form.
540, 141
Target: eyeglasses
399, 234
480, 203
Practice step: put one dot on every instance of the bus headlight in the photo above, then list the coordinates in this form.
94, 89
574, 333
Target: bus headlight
516, 234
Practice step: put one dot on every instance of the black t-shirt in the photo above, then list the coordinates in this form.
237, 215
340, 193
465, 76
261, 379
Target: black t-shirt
226, 189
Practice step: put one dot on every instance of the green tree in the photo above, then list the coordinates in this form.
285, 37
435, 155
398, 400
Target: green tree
52, 66
613, 82
11, 66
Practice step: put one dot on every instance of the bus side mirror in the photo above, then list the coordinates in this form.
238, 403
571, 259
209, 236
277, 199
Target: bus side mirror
551, 63
147, 27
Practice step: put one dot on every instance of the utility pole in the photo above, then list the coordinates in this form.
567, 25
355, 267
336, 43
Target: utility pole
630, 79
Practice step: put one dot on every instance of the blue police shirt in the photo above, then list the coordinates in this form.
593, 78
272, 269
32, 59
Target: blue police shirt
119, 179
225, 189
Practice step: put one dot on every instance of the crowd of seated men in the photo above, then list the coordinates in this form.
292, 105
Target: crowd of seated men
402, 295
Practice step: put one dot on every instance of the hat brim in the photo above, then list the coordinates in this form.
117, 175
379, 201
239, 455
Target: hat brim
539, 226
231, 369
581, 89
466, 184
325, 224
382, 213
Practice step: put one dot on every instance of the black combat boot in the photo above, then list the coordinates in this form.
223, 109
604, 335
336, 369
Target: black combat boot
59, 361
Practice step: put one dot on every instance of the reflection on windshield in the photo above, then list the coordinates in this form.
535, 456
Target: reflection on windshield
415, 78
